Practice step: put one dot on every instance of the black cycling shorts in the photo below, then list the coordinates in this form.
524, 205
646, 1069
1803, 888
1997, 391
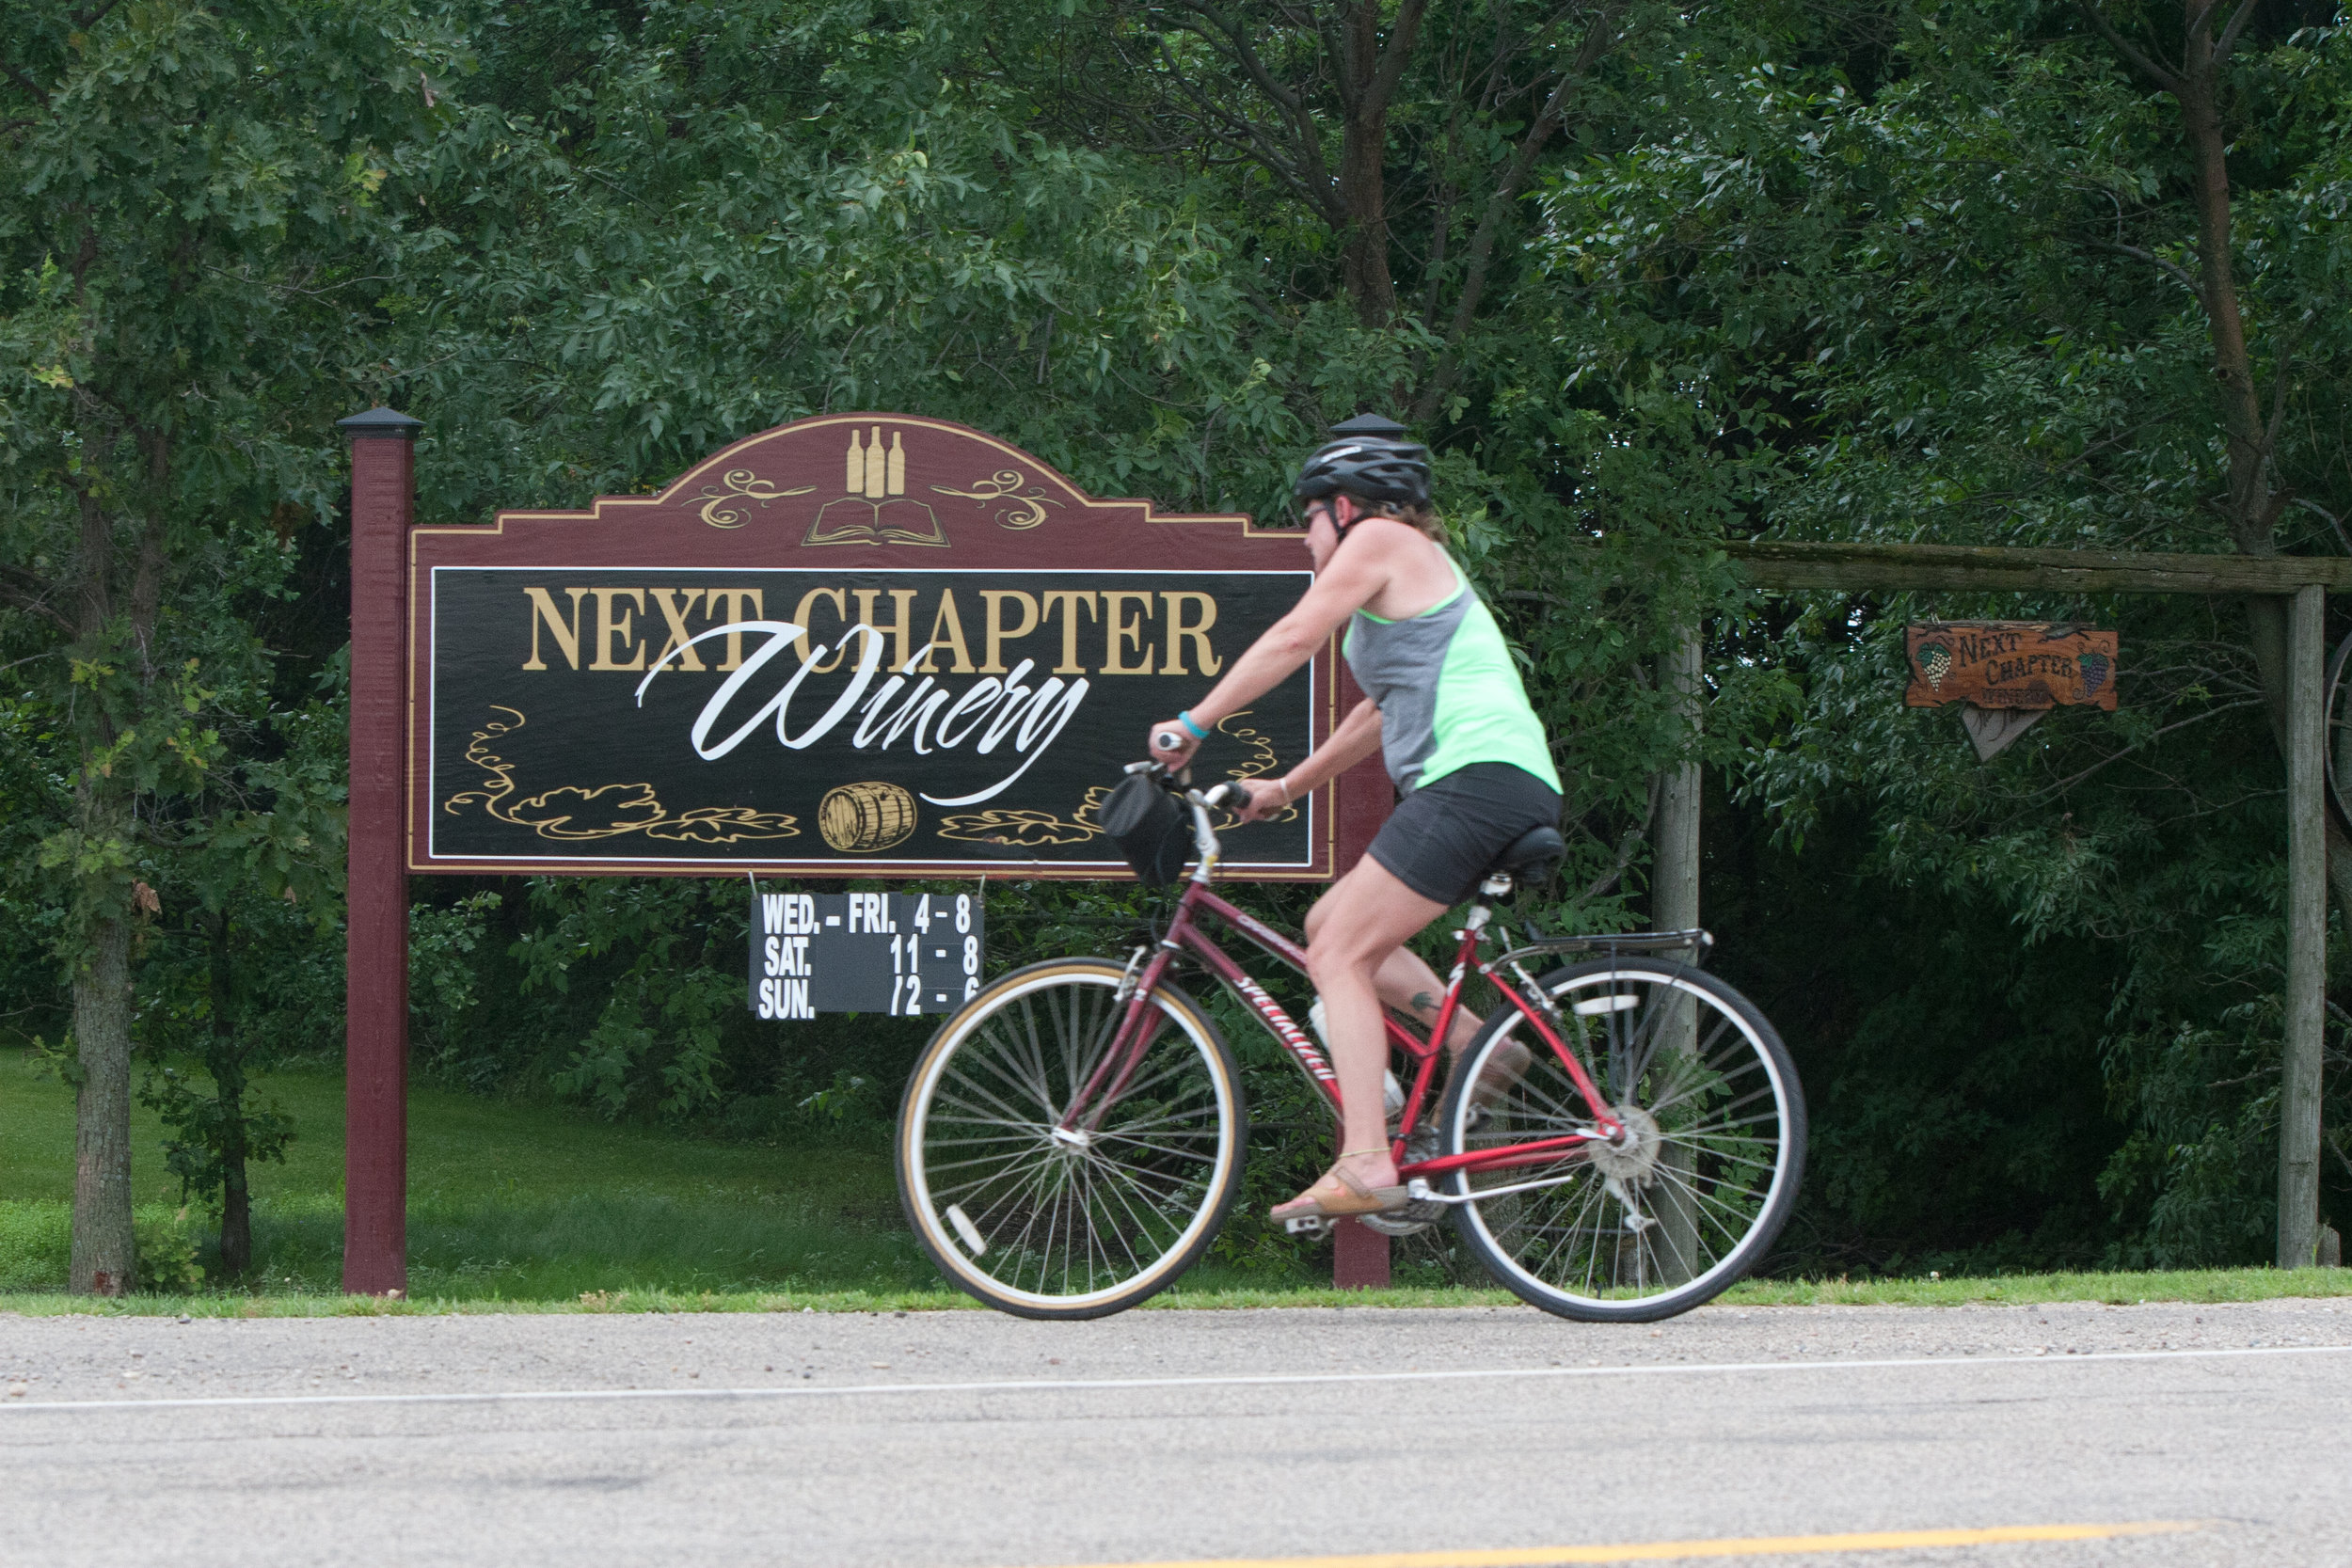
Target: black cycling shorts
1442, 837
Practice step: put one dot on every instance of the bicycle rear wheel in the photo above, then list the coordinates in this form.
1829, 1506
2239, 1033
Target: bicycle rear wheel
1068, 1225
1671, 1218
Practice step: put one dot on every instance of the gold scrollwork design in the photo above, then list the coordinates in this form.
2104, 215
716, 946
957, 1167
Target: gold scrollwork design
1026, 829
574, 811
1262, 756
1035, 829
1028, 508
740, 484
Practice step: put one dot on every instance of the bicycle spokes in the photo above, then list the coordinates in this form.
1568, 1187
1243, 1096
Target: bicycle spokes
1053, 1211
1683, 1190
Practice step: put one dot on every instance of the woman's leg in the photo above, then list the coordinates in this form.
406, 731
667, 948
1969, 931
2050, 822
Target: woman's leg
1353, 933
1408, 985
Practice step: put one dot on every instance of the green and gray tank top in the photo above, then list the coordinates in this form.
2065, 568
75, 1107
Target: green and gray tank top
1448, 692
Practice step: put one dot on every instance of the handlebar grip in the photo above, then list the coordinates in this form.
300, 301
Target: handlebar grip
1226, 794
1169, 741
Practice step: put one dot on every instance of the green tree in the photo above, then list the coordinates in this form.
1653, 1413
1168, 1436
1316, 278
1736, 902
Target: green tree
657, 230
1405, 133
2268, 333
1958, 302
248, 968
186, 207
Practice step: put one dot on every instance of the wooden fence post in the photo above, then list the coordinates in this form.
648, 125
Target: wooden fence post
2307, 936
1675, 891
376, 1131
1675, 907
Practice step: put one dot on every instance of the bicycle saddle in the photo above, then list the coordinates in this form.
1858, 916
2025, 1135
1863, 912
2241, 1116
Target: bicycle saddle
1531, 855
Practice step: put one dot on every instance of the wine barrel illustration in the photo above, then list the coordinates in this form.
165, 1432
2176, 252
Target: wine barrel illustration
860, 818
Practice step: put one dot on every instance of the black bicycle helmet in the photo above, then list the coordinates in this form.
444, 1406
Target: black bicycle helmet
1368, 463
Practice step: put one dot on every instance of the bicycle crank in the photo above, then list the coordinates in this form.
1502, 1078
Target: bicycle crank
1396, 1222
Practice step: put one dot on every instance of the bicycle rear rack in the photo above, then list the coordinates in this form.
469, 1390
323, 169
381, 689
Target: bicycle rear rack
1693, 941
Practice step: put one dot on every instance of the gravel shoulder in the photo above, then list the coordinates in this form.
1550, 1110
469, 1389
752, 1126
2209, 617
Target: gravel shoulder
45, 1359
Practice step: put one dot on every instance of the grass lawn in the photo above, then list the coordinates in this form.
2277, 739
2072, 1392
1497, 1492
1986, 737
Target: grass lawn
506, 1202
531, 1208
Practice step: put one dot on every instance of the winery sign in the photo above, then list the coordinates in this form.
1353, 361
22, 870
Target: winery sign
857, 644
2009, 664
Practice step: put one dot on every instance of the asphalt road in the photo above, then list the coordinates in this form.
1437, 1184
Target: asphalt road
968, 1440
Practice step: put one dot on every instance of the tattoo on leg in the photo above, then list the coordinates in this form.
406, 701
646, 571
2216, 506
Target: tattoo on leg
1425, 1002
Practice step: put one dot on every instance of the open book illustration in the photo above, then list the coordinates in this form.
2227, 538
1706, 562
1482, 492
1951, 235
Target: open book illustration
876, 510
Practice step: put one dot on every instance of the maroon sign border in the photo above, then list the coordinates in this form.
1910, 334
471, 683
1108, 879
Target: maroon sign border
1350, 809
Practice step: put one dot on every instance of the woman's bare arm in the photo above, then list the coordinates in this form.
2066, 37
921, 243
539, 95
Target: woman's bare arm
1358, 737
1357, 575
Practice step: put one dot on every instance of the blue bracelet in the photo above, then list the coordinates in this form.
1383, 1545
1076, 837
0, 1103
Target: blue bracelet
1185, 719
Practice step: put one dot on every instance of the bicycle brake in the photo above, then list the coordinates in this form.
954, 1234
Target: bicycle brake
1127, 979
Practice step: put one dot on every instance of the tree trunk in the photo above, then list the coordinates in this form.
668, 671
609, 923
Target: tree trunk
1365, 91
102, 1258
227, 1066
236, 1201
2251, 511
2253, 506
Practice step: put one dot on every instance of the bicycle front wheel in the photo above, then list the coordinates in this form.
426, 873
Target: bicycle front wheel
1077, 1224
1692, 1198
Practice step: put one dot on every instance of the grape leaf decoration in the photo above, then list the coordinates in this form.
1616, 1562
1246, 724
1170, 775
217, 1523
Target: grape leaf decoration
1936, 662
2094, 669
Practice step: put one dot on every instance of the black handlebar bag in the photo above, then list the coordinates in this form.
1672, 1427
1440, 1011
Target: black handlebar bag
1146, 823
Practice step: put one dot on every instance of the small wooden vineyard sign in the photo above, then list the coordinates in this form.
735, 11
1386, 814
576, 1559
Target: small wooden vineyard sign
2011, 664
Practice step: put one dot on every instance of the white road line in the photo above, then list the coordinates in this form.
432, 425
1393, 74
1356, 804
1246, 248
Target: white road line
1078, 1385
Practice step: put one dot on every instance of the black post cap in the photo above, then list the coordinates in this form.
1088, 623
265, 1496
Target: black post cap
1371, 425
379, 422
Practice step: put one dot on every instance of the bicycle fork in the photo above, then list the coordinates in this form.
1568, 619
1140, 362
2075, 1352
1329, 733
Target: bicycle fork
1131, 1002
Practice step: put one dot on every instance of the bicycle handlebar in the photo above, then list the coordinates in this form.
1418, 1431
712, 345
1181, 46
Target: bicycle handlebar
1226, 796
1229, 796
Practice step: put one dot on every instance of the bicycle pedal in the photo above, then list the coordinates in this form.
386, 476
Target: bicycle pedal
1306, 1225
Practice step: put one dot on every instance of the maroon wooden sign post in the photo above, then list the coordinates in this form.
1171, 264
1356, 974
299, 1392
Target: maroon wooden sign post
1360, 1255
376, 1131
694, 683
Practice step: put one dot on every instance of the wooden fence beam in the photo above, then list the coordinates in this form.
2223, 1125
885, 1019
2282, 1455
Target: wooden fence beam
1791, 565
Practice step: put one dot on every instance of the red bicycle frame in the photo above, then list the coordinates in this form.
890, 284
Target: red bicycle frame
1111, 1074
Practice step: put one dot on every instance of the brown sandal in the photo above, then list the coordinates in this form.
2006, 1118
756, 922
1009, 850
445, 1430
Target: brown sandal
1506, 1071
1337, 1194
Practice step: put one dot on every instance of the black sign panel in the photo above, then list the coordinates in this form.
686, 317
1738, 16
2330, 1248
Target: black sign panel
819, 720
902, 954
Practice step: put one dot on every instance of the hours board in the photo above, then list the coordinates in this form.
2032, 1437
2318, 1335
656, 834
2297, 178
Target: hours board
899, 953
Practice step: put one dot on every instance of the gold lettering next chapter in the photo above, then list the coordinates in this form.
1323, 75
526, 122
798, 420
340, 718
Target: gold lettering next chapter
1123, 631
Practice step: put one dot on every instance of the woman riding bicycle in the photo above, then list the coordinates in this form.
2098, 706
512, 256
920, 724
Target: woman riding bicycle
1464, 749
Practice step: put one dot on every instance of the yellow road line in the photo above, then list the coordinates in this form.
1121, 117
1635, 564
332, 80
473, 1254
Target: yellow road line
1668, 1551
